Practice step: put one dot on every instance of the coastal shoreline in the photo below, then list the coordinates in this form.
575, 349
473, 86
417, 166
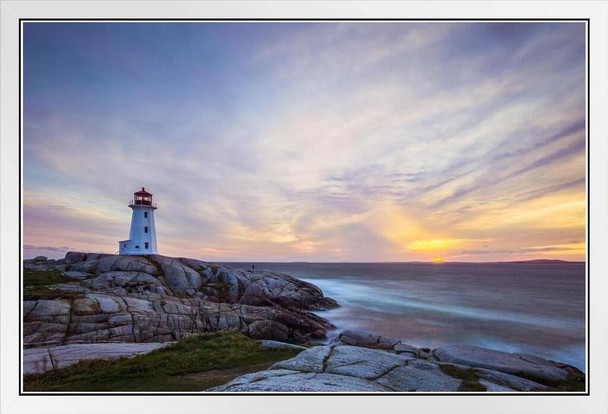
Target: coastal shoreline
88, 307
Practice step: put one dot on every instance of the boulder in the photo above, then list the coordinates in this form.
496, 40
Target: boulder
375, 341
522, 365
405, 348
83, 267
74, 257
268, 329
77, 275
358, 338
124, 263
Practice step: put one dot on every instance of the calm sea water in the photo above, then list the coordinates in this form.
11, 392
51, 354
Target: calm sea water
537, 308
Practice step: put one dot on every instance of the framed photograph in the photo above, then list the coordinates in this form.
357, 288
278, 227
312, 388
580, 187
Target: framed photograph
248, 206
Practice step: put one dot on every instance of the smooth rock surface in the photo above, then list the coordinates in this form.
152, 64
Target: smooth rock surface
294, 381
369, 367
40, 359
341, 368
279, 345
419, 375
523, 365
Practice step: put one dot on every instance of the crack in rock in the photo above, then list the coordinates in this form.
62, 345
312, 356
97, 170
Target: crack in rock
388, 371
326, 359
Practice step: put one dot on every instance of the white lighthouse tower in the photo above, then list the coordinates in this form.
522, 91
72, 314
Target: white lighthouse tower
142, 238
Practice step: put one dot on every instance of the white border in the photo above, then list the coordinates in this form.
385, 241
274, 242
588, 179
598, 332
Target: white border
10, 402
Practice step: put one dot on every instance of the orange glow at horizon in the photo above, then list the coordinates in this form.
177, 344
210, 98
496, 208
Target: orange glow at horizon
433, 244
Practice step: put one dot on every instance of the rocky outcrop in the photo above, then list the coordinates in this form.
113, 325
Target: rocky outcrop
363, 362
157, 276
109, 298
108, 318
522, 365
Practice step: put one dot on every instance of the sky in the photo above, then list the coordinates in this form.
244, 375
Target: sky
308, 141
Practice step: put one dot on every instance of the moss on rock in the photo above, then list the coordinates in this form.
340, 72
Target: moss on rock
470, 379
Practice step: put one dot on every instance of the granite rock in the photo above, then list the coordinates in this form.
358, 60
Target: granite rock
523, 365
345, 369
372, 365
159, 298
40, 359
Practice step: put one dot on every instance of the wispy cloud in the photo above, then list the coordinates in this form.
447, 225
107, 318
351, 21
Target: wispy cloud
308, 141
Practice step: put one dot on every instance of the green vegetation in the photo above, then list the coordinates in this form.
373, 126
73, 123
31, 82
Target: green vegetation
35, 284
192, 364
470, 379
222, 291
44, 277
152, 260
574, 383
44, 293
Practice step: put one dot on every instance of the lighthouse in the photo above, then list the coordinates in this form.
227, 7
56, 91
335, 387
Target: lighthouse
142, 238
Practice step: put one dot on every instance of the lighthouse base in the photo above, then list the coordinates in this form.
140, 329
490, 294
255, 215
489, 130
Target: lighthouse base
128, 247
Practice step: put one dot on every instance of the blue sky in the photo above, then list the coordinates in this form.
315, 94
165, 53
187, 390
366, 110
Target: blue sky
308, 141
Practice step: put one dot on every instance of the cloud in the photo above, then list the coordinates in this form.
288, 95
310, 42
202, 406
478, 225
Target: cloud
305, 141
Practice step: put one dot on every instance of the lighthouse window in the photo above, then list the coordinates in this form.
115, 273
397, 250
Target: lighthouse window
145, 215
137, 247
146, 245
146, 229
124, 245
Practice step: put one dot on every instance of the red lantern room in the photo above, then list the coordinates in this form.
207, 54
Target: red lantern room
142, 197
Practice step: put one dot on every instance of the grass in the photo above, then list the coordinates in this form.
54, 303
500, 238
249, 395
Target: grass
44, 293
35, 284
44, 277
470, 379
192, 364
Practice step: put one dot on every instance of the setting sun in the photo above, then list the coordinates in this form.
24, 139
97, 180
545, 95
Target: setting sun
437, 259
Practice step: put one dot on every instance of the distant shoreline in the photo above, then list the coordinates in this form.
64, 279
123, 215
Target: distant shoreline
253, 262
532, 261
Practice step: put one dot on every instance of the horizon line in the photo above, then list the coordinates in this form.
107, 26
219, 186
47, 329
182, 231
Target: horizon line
538, 260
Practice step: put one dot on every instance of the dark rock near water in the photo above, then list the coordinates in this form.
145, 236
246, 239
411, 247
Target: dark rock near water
189, 277
523, 365
370, 340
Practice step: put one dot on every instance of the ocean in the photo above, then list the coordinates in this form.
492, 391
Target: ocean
532, 307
